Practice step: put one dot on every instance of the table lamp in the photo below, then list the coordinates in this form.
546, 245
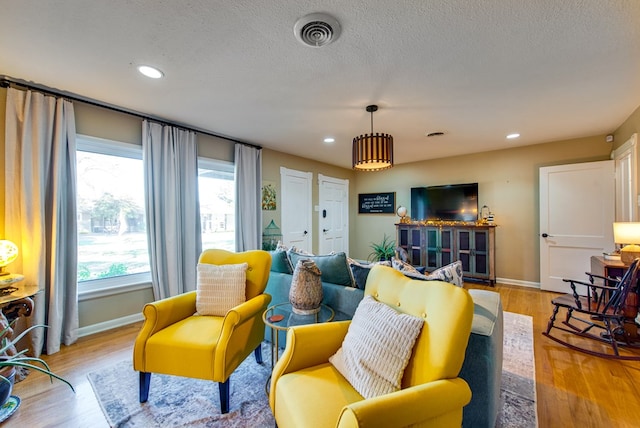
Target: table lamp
8, 253
627, 234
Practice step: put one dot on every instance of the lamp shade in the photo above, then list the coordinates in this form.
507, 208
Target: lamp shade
627, 234
372, 152
8, 252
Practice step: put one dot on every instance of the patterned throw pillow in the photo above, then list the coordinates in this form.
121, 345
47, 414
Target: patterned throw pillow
403, 267
450, 273
377, 348
360, 272
220, 288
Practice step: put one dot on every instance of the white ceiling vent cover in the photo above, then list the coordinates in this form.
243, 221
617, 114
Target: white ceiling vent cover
317, 29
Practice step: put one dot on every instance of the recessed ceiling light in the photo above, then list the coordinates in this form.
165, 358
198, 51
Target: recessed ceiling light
151, 72
329, 140
512, 136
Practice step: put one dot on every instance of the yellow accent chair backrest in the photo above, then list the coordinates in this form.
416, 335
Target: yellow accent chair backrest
436, 353
306, 390
174, 340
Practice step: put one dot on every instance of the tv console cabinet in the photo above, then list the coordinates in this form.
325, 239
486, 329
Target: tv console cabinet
434, 246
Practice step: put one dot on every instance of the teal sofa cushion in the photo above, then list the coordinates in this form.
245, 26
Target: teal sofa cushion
280, 262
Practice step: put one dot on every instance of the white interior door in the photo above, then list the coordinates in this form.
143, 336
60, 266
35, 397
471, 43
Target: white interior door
577, 209
333, 214
295, 187
625, 158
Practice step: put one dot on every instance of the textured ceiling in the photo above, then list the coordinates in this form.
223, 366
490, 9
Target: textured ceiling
548, 69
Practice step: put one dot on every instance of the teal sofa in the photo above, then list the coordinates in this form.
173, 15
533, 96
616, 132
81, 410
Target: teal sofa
482, 367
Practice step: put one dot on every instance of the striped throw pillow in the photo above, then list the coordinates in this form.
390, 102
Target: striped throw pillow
220, 288
377, 348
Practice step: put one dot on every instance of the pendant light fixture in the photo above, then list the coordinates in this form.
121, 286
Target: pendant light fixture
372, 152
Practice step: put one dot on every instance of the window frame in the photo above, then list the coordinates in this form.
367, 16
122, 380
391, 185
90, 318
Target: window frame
102, 287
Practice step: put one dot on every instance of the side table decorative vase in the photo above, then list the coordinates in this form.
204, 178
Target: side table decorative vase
305, 294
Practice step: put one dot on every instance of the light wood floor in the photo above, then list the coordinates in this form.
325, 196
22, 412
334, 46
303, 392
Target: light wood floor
573, 389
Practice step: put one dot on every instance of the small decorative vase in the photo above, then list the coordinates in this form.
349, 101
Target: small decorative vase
305, 294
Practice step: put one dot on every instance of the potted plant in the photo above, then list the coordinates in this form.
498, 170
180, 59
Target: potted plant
10, 360
384, 250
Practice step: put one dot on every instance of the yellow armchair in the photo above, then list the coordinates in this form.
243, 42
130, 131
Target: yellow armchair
175, 341
306, 390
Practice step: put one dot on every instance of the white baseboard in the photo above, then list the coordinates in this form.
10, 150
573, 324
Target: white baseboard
108, 325
518, 282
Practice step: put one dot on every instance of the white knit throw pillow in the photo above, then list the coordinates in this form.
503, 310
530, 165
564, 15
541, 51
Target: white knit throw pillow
220, 288
377, 348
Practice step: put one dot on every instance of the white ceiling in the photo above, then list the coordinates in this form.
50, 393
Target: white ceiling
476, 70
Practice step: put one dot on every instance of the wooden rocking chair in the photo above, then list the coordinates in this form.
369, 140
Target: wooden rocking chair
599, 314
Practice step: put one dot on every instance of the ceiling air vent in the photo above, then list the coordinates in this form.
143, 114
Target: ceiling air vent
317, 29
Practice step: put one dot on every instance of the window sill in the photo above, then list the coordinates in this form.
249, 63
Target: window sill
89, 290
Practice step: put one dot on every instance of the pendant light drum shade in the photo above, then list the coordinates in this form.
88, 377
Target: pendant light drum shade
372, 152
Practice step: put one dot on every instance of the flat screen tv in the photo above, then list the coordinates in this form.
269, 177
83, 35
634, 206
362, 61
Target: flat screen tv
455, 202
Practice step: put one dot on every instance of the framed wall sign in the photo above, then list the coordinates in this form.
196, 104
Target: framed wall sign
377, 203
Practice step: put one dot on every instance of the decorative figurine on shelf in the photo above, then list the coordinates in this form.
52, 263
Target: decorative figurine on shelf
490, 219
402, 213
270, 237
484, 215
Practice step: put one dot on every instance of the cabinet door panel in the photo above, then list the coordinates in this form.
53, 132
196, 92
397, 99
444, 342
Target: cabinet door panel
403, 238
446, 258
415, 237
481, 264
464, 240
415, 255
465, 258
481, 241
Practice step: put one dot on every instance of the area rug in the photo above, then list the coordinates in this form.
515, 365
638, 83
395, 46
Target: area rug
181, 402
518, 391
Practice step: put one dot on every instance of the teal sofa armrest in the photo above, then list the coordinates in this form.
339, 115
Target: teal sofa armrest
482, 367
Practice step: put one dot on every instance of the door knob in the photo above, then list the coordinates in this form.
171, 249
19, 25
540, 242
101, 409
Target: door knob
305, 232
325, 230
546, 235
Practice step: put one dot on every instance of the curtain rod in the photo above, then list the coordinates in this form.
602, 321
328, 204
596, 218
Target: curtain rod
6, 82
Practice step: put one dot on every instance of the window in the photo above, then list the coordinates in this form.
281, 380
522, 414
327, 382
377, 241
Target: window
216, 187
112, 239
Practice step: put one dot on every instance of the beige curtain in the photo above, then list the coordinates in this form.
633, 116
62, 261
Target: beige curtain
40, 210
248, 177
170, 157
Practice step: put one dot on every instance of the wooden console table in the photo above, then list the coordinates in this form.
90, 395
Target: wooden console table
434, 246
609, 268
15, 301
